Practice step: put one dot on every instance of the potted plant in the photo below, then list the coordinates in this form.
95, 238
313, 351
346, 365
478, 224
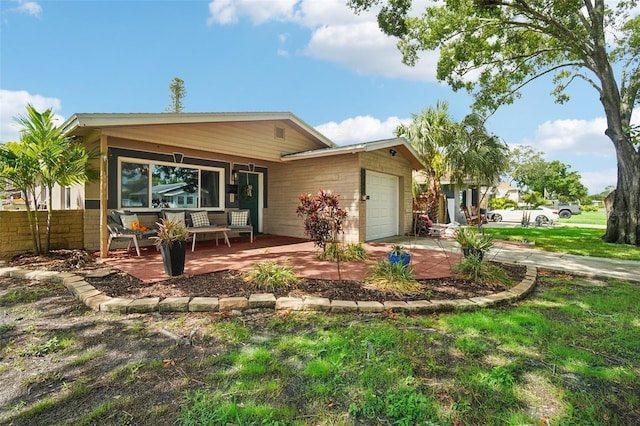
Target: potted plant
399, 254
171, 240
473, 243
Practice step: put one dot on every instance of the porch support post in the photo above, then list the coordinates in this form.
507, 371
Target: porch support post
104, 178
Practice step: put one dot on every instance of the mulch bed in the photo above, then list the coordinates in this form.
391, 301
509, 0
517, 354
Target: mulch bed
231, 284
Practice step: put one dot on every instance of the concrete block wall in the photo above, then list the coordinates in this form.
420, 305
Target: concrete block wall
15, 234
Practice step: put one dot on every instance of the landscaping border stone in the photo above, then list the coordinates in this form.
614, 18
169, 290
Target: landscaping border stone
99, 301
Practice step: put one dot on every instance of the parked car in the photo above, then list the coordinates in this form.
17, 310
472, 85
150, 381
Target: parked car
513, 214
566, 210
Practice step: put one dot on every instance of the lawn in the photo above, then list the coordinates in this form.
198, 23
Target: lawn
572, 240
590, 218
566, 355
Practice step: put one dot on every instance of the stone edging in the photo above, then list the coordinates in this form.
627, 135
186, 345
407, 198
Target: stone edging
99, 301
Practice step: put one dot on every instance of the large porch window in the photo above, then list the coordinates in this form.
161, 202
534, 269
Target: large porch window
145, 184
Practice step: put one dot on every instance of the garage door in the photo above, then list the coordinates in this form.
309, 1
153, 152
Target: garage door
382, 205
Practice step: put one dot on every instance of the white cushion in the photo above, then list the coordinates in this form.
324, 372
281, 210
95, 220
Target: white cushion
239, 218
175, 217
128, 220
199, 219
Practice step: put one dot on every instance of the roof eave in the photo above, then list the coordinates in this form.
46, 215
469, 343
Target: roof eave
103, 120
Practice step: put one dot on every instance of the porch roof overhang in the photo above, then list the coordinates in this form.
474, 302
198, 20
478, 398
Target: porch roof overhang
401, 145
83, 124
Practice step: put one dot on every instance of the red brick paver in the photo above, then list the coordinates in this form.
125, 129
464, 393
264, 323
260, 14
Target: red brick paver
298, 253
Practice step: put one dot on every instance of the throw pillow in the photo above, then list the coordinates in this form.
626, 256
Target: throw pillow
199, 219
175, 217
128, 220
239, 218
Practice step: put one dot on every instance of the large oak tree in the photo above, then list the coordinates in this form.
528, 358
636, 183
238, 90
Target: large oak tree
492, 48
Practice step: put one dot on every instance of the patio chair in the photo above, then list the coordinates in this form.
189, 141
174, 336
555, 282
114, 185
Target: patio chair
471, 218
240, 220
118, 230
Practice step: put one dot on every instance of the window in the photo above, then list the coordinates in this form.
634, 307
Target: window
162, 185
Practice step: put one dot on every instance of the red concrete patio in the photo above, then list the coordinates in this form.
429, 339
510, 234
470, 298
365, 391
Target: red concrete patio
298, 253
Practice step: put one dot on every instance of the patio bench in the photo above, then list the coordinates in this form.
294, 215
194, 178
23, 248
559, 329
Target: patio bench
125, 225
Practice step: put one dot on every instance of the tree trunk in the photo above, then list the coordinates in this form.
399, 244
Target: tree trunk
623, 222
49, 213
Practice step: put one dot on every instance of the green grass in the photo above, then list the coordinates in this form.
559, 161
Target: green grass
578, 241
587, 218
568, 354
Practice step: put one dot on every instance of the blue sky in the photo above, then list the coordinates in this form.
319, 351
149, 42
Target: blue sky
333, 69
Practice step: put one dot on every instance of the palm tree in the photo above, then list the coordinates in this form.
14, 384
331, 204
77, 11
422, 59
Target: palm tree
429, 134
61, 160
477, 156
20, 169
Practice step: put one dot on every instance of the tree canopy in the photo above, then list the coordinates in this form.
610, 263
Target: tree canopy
177, 92
492, 48
43, 158
553, 179
465, 151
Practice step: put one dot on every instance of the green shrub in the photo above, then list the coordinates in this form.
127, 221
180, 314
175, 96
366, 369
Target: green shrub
502, 203
393, 278
349, 253
272, 276
590, 208
475, 269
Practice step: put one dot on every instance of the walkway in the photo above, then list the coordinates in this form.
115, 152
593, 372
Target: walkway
594, 267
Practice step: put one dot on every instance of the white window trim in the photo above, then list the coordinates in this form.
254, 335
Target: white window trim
151, 163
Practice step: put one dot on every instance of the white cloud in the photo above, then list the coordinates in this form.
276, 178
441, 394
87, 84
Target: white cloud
337, 34
597, 181
576, 137
361, 129
31, 8
258, 11
14, 104
580, 137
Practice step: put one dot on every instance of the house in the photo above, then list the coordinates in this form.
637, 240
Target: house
506, 190
259, 161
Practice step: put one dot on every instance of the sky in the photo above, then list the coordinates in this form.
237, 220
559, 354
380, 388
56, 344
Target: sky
333, 69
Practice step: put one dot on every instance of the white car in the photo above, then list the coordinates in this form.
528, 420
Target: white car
513, 214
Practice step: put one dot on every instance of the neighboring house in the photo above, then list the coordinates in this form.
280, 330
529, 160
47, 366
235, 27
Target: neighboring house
255, 161
504, 189
455, 198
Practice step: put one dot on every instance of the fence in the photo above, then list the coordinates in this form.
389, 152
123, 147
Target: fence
67, 231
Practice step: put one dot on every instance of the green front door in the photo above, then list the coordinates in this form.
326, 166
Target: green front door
249, 191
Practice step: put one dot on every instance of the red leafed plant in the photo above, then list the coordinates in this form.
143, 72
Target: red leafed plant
323, 219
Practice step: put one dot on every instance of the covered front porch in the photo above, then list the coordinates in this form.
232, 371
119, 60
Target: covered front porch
296, 252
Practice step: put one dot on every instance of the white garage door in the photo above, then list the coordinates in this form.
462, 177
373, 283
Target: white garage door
382, 205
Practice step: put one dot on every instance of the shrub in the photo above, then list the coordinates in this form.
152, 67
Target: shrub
475, 269
322, 221
322, 217
349, 253
393, 278
473, 242
502, 203
272, 276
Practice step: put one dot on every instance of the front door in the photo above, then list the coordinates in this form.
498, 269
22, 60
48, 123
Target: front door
248, 185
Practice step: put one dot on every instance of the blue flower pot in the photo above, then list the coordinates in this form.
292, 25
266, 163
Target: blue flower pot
404, 259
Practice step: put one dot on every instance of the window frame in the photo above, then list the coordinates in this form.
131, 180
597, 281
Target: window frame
152, 162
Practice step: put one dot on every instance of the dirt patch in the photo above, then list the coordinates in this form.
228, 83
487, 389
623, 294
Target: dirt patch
232, 284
